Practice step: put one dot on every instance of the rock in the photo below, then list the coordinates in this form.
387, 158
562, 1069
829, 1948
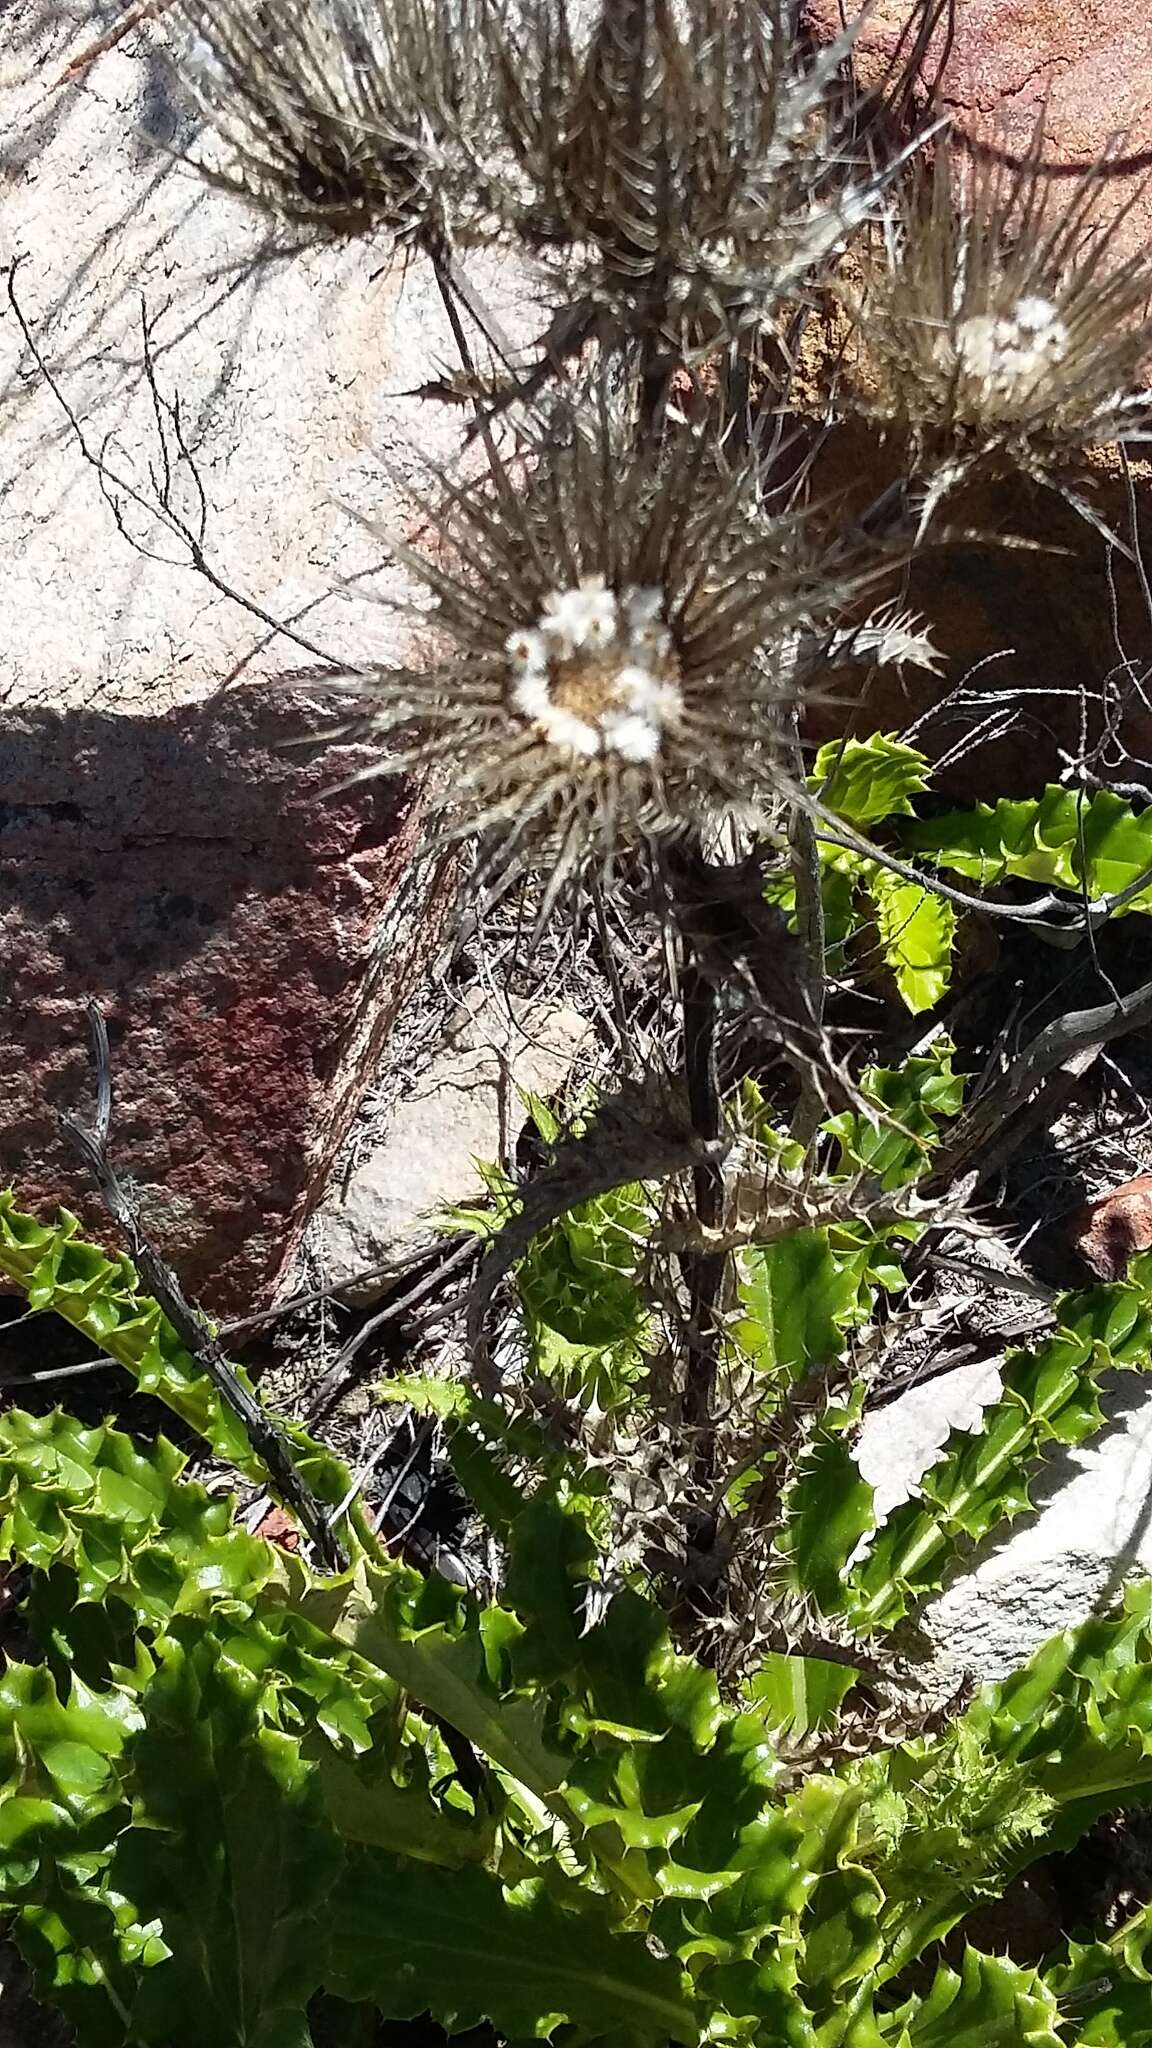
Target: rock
194, 877
465, 1107
1039, 617
1087, 68
290, 366
1092, 1532
159, 850
1090, 1529
1109, 1232
899, 1442
277, 1527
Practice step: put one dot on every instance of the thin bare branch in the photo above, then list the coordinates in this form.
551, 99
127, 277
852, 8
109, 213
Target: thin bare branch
190, 1324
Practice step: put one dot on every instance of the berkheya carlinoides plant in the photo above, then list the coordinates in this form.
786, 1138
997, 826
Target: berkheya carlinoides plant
652, 1767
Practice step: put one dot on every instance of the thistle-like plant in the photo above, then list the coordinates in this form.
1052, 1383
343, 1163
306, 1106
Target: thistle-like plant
701, 164
616, 628
235, 1785
1000, 329
340, 115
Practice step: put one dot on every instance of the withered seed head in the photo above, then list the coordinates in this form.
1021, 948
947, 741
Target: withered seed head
688, 151
615, 631
1000, 328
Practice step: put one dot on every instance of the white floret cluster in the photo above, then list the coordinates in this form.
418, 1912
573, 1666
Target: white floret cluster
1011, 353
597, 673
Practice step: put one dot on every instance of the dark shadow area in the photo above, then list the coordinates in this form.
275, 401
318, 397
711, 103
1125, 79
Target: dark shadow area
47, 1345
192, 875
1042, 625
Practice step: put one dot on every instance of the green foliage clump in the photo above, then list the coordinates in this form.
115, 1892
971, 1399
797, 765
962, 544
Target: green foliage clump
231, 1784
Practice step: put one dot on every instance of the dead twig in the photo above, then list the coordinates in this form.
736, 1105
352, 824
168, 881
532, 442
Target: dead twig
188, 530
804, 860
1056, 1055
376, 1457
458, 1253
190, 1324
991, 1276
53, 1372
132, 17
391, 1269
704, 1265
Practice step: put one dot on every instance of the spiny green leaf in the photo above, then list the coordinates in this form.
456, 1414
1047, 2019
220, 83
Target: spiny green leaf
62, 1765
952, 1818
435, 1647
1105, 1988
799, 1695
460, 1946
585, 1316
495, 1496
85, 1953
864, 782
172, 1833
1064, 839
828, 1507
800, 1296
867, 780
366, 1805
1078, 1715
991, 2002
917, 932
1132, 1943
122, 1518
62, 1750
911, 1103
841, 878
549, 1554
981, 1480
448, 1400
844, 1942
230, 1853
57, 1269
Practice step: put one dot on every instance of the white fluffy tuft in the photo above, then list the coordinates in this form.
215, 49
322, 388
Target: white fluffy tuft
637, 700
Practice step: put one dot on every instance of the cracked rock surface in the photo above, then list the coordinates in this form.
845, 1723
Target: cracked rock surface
1086, 68
187, 872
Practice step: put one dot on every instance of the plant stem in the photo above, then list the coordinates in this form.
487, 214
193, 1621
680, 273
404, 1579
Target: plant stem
805, 861
704, 1269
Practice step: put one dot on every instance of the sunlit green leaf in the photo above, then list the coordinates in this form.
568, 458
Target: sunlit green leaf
867, 780
917, 932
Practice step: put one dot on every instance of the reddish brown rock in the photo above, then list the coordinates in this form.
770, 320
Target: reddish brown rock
1087, 66
1036, 630
1028, 627
190, 874
279, 1528
1112, 1230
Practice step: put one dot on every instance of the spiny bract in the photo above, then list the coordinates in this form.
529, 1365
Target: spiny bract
701, 163
342, 115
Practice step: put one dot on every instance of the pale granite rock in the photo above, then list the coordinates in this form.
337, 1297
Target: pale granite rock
467, 1106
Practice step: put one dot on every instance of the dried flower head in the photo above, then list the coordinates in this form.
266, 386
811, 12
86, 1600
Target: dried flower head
1001, 330
614, 633
342, 115
703, 163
